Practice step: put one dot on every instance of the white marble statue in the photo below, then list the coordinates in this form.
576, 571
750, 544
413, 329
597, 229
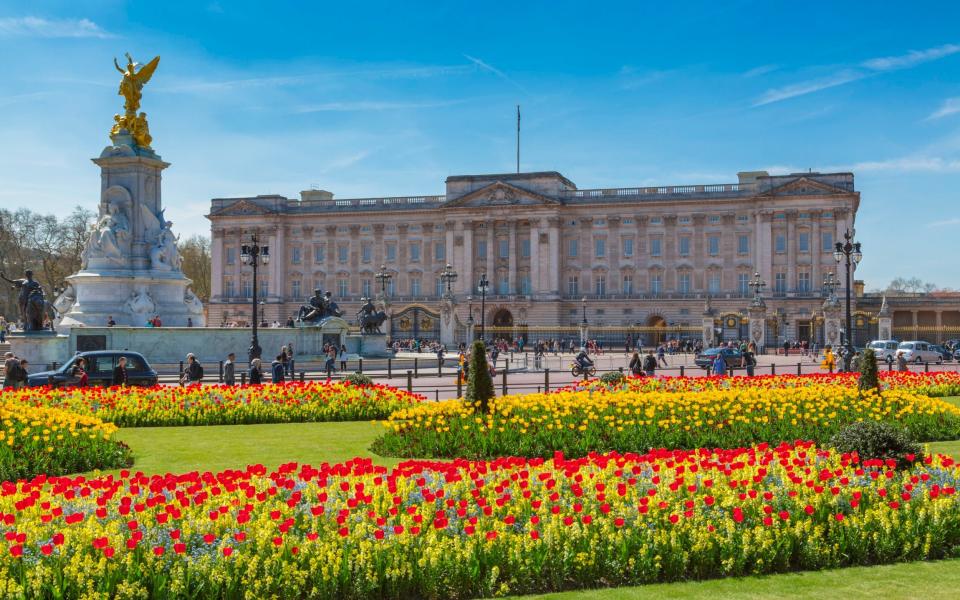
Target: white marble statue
194, 305
164, 255
140, 303
65, 301
110, 238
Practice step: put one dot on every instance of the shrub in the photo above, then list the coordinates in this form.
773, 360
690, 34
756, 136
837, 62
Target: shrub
613, 378
358, 379
873, 440
869, 375
479, 384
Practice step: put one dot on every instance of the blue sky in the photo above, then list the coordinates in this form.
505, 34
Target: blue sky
389, 98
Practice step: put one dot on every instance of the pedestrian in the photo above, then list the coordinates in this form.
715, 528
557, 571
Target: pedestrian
193, 374
636, 365
10, 366
829, 360
229, 368
343, 357
284, 359
331, 364
120, 372
79, 373
256, 372
276, 369
719, 365
111, 322
902, 362
855, 363
749, 360
189, 321
661, 358
889, 362
650, 363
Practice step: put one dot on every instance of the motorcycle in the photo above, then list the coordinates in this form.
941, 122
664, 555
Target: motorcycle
577, 371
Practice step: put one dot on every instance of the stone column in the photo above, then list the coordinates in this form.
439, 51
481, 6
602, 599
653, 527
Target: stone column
354, 256
535, 285
586, 255
469, 279
402, 285
512, 257
816, 252
216, 264
378, 245
757, 314
553, 236
791, 252
490, 258
884, 321
613, 254
707, 322
832, 323
426, 258
448, 322
278, 262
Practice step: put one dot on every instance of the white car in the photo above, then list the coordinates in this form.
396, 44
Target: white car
884, 348
919, 352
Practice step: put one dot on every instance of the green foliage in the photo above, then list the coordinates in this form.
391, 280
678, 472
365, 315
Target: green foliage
869, 374
479, 383
613, 379
875, 440
358, 379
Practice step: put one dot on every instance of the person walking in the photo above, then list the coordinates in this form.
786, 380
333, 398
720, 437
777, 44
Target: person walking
10, 367
636, 365
277, 369
829, 360
229, 370
284, 359
889, 360
650, 363
902, 362
661, 355
750, 359
719, 365
120, 372
79, 373
193, 374
343, 357
331, 365
256, 372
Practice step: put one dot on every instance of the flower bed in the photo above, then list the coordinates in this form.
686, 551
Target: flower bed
579, 422
929, 384
459, 530
51, 441
224, 405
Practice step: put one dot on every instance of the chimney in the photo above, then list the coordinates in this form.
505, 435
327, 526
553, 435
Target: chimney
314, 195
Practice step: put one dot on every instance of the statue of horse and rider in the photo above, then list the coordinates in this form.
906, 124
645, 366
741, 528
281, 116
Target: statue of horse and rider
369, 318
319, 307
33, 306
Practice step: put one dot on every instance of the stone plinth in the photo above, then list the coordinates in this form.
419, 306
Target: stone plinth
758, 325
370, 345
40, 348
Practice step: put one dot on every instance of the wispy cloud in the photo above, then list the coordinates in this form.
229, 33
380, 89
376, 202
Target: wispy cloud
631, 78
917, 163
231, 84
492, 69
51, 28
945, 223
761, 70
18, 98
371, 105
867, 68
950, 106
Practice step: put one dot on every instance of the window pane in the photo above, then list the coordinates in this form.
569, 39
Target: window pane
743, 244
628, 247
685, 246
319, 252
525, 248
656, 246
440, 251
504, 248
826, 241
415, 251
781, 244
482, 249
574, 248
804, 242
714, 245
600, 247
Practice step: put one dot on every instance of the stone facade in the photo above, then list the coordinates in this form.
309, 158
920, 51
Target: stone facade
644, 256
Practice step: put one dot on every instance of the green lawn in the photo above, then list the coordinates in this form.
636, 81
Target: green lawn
183, 449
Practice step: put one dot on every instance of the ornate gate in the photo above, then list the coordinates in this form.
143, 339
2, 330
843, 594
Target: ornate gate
415, 322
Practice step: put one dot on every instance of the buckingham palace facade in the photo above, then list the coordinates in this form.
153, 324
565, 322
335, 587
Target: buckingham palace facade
642, 257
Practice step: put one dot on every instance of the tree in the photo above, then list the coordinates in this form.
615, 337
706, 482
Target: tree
869, 376
479, 383
195, 252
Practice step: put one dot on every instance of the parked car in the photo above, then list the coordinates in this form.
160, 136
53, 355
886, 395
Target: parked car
919, 352
944, 353
884, 348
952, 344
956, 355
731, 356
100, 366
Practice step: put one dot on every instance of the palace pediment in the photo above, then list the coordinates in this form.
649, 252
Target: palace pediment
805, 186
501, 194
242, 208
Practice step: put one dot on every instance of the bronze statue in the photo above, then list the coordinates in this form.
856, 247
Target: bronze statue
369, 318
31, 302
319, 307
131, 86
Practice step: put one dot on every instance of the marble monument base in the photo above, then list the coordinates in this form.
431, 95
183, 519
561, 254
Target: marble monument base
370, 345
131, 297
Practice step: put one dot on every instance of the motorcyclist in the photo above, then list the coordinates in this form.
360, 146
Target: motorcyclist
583, 359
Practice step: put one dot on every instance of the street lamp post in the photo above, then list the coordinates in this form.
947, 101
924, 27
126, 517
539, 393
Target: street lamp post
383, 277
448, 276
848, 251
473, 334
583, 324
254, 254
482, 286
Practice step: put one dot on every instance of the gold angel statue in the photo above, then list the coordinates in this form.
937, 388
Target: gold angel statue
131, 86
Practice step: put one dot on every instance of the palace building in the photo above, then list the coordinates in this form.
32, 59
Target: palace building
639, 262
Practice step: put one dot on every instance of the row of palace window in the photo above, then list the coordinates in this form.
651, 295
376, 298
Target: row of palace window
713, 245
343, 253
367, 288
685, 284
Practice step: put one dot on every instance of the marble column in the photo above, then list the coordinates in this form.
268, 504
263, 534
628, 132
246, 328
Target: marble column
469, 279
490, 259
278, 263
216, 265
553, 237
791, 252
354, 256
816, 252
403, 261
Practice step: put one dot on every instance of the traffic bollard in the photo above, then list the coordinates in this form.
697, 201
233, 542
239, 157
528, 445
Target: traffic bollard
220, 374
546, 380
409, 380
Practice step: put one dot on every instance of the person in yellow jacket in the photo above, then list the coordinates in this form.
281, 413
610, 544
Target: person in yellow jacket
462, 367
829, 360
